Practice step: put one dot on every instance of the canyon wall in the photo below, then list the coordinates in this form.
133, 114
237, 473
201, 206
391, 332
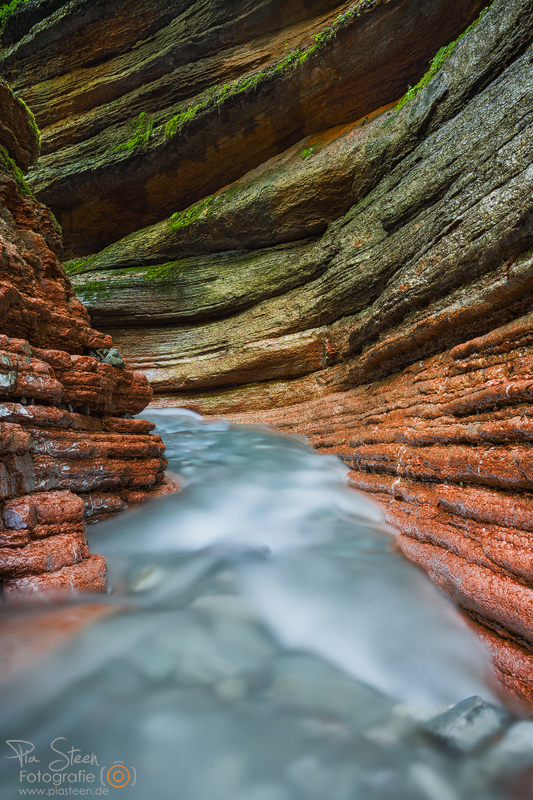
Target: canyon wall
70, 451
272, 230
147, 107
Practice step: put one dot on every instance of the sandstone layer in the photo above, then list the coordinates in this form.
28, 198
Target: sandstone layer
268, 234
70, 451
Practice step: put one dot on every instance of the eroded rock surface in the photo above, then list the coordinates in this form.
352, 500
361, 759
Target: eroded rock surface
223, 88
445, 446
432, 250
70, 450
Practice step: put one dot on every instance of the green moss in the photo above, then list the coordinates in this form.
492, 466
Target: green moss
184, 218
109, 286
7, 163
217, 95
31, 118
340, 22
294, 57
174, 124
234, 188
442, 55
8, 8
77, 266
143, 129
96, 290
250, 82
434, 67
307, 152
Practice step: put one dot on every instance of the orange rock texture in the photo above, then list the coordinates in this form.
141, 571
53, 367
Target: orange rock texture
69, 449
269, 234
446, 447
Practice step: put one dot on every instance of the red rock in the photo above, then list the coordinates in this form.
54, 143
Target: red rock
30, 634
91, 474
87, 576
513, 665
476, 588
42, 508
100, 505
506, 466
43, 555
445, 446
49, 453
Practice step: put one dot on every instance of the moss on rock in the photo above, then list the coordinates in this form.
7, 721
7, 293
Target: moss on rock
10, 166
438, 60
218, 94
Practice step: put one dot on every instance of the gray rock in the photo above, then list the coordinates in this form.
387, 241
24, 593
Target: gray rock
469, 724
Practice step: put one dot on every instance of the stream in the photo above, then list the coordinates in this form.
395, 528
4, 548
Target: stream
262, 640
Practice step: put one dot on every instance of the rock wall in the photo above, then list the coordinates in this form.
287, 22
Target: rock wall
446, 447
69, 450
431, 251
221, 89
270, 235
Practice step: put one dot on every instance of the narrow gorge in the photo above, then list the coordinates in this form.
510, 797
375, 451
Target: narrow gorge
306, 213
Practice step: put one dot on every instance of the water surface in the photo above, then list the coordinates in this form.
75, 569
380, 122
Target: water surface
267, 642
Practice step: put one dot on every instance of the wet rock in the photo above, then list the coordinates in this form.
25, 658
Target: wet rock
108, 356
435, 251
445, 447
61, 431
19, 136
294, 248
513, 664
469, 724
89, 575
228, 67
46, 555
25, 16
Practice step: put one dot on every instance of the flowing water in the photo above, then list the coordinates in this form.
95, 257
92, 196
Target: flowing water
263, 641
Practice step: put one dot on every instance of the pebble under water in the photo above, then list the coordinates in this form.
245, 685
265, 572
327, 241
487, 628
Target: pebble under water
264, 642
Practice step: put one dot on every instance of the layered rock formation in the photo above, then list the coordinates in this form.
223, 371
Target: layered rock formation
445, 447
436, 195
69, 449
220, 91
269, 235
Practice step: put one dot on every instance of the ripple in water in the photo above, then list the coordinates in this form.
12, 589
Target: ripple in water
266, 642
